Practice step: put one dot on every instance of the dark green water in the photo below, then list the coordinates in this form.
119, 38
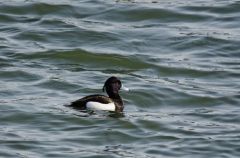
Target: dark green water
180, 58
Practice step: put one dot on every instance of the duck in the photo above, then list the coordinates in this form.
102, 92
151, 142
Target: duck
112, 102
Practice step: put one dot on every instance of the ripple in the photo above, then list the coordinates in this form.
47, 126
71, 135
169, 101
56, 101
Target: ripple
179, 58
18, 76
34, 8
230, 8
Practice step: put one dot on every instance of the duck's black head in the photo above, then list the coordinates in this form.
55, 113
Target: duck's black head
112, 86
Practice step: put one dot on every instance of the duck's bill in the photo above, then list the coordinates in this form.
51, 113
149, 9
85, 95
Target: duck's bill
123, 88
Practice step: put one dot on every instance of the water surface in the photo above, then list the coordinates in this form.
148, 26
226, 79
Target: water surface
179, 58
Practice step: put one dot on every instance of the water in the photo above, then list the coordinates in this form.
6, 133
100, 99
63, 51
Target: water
179, 58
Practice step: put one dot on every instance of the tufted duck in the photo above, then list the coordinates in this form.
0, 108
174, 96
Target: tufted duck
101, 102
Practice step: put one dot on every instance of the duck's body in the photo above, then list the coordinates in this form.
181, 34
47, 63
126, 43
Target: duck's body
112, 102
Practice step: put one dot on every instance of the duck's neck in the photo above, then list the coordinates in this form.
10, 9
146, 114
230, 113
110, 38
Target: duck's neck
114, 96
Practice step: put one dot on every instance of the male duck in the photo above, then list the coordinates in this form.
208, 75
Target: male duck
100, 102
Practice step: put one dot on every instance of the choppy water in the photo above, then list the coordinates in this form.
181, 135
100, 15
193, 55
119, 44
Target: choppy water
180, 58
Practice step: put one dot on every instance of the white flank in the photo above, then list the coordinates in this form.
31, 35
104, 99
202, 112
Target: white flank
99, 106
